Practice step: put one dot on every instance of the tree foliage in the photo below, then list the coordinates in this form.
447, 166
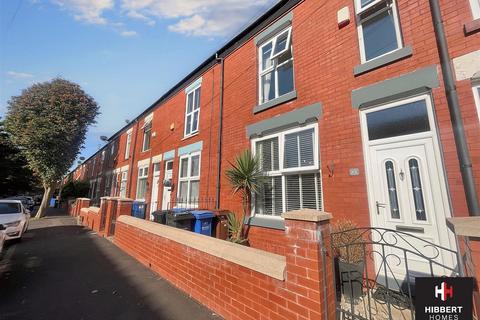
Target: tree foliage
15, 175
48, 122
75, 189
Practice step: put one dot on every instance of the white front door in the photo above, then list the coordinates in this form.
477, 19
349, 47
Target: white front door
167, 185
407, 187
155, 189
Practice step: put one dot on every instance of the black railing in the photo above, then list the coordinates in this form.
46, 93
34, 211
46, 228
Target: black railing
375, 271
195, 203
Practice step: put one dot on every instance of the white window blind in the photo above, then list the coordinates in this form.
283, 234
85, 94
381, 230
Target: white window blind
291, 166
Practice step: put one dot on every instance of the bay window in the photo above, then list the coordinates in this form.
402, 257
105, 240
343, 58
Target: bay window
142, 182
123, 184
276, 67
378, 28
189, 179
290, 163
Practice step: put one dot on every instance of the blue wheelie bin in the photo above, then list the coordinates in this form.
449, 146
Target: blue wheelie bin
138, 209
203, 222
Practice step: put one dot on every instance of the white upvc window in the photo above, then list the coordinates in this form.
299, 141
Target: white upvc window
142, 182
290, 162
189, 179
476, 95
378, 28
475, 4
147, 135
115, 184
275, 61
192, 111
128, 144
123, 184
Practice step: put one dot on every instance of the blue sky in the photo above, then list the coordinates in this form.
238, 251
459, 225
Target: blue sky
124, 53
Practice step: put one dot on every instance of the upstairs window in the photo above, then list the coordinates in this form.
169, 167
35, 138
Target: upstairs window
276, 66
127, 145
475, 4
378, 28
476, 95
192, 113
147, 134
290, 163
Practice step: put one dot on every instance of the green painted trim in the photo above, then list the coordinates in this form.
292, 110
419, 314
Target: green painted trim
275, 102
419, 81
286, 120
197, 146
383, 60
275, 27
264, 222
169, 155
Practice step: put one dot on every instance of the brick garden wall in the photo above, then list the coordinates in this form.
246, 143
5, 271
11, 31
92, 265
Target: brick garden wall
234, 291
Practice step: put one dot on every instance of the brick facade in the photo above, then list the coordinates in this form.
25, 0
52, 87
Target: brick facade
324, 59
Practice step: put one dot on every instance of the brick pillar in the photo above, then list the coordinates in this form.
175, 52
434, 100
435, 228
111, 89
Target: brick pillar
309, 265
80, 204
124, 207
110, 209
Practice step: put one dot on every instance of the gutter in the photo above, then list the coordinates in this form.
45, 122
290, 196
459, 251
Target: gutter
220, 132
455, 114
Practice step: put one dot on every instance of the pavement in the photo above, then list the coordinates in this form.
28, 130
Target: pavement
60, 270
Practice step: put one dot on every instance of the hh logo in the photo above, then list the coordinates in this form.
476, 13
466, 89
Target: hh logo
443, 291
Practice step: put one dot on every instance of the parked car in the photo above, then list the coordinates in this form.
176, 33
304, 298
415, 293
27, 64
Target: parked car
27, 201
2, 236
14, 217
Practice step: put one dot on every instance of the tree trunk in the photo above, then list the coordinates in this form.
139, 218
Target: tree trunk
47, 195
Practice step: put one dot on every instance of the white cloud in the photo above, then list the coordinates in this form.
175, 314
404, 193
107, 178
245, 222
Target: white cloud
128, 33
19, 75
197, 17
208, 18
90, 11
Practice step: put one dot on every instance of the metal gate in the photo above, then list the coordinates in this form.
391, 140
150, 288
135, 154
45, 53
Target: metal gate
375, 271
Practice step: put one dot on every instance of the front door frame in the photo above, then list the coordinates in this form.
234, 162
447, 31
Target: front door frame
447, 240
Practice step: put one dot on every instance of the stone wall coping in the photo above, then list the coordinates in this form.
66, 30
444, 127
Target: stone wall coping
465, 226
94, 209
83, 199
307, 215
270, 264
124, 199
84, 210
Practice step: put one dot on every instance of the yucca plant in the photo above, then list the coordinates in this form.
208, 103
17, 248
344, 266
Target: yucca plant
235, 227
245, 177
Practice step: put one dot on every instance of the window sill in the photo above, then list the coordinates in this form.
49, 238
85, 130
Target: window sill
471, 27
266, 222
275, 102
383, 60
190, 136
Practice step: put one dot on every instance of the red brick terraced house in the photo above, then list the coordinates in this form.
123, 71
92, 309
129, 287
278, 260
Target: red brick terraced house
345, 103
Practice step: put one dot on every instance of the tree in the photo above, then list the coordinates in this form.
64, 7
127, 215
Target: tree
48, 122
15, 176
246, 178
75, 189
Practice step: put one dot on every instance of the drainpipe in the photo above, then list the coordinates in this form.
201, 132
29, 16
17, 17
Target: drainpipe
220, 128
455, 115
132, 158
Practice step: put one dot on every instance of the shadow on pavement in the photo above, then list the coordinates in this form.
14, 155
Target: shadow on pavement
66, 272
